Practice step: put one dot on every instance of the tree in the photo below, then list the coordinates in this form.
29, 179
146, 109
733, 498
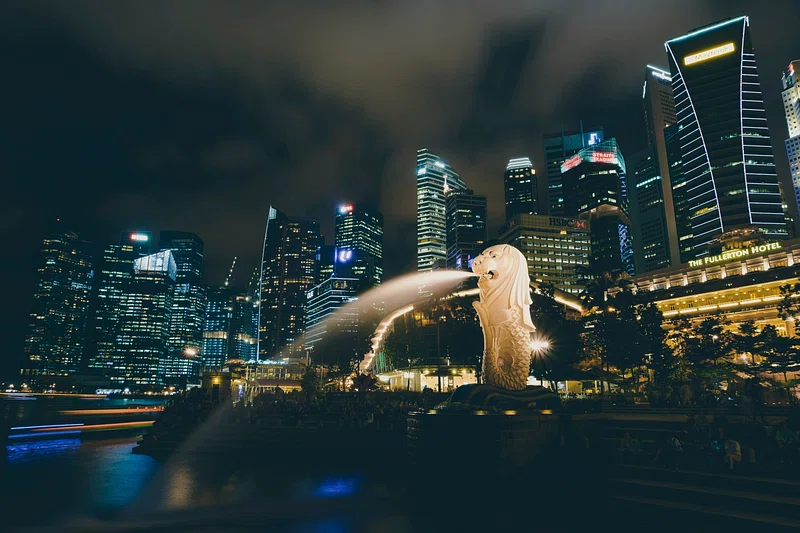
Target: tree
562, 334
789, 306
310, 383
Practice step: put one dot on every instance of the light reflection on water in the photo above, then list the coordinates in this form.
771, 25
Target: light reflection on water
56, 478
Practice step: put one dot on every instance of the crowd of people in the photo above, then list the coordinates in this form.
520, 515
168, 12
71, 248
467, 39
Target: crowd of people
377, 411
713, 443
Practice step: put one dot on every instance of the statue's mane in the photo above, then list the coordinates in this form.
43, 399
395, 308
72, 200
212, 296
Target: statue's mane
513, 282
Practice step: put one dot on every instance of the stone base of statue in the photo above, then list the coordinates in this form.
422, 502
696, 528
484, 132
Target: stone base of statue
490, 396
486, 427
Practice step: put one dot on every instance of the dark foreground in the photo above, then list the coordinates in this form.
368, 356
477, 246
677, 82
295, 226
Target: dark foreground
338, 479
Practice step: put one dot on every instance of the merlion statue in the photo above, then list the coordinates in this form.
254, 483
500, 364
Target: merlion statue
504, 312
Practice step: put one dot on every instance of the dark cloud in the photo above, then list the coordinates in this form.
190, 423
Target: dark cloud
198, 114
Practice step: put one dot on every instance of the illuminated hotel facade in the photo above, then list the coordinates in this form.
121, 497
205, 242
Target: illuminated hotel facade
727, 160
738, 285
434, 179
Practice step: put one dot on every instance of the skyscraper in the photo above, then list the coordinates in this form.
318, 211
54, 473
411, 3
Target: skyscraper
144, 320
229, 331
359, 236
243, 330
56, 336
791, 104
727, 159
558, 148
326, 258
466, 227
595, 189
434, 178
216, 331
683, 219
652, 206
522, 194
288, 271
188, 306
333, 328
651, 236
557, 249
114, 270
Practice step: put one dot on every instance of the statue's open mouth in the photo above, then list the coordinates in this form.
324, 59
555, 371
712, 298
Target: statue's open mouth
490, 274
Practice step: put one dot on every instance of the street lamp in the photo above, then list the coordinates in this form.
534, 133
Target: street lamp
540, 346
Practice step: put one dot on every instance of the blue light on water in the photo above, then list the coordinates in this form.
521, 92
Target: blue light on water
336, 487
48, 434
40, 449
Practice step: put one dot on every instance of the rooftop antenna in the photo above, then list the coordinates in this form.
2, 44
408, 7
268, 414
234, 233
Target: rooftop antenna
230, 272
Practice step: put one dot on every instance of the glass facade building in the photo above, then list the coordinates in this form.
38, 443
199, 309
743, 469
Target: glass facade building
188, 306
727, 160
144, 320
326, 318
216, 331
558, 148
595, 189
466, 227
521, 188
229, 331
56, 335
288, 270
434, 179
114, 270
359, 244
652, 205
683, 220
651, 233
557, 249
791, 105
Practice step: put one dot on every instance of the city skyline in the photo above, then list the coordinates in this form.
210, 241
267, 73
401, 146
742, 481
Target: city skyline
118, 211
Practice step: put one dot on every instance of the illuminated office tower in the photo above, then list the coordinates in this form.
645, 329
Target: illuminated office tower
229, 331
359, 244
652, 209
466, 228
216, 331
683, 220
144, 320
434, 178
114, 270
559, 147
557, 249
326, 258
188, 306
56, 336
595, 189
332, 328
522, 195
288, 271
791, 104
727, 160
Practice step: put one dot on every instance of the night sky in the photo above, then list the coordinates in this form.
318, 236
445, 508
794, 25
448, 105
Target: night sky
197, 115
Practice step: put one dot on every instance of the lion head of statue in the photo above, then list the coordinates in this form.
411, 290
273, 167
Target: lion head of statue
504, 279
